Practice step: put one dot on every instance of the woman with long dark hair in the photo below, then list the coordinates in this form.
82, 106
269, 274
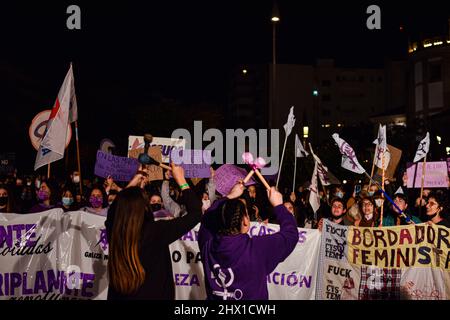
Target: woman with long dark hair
139, 263
6, 200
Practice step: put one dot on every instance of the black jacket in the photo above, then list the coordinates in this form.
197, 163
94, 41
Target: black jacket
154, 251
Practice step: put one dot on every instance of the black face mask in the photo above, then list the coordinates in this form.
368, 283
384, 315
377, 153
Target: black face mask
155, 207
3, 201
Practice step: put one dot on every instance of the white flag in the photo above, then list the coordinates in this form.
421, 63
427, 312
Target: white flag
54, 141
423, 148
314, 197
290, 122
349, 160
300, 152
321, 169
381, 150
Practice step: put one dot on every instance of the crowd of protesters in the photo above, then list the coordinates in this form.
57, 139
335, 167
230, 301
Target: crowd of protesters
226, 219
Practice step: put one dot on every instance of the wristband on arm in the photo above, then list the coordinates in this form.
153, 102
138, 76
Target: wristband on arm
184, 186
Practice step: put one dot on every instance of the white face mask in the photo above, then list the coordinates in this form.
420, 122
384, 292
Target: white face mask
369, 216
379, 202
76, 179
206, 205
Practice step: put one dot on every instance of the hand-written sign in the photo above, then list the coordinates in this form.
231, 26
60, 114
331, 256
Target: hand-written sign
165, 144
196, 163
227, 176
119, 168
436, 175
155, 172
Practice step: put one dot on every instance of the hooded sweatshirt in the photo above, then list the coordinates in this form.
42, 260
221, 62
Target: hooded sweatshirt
236, 266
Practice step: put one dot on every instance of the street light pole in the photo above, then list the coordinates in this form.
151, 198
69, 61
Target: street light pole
275, 18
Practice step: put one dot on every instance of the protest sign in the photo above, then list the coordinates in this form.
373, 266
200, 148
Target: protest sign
383, 263
436, 175
155, 172
395, 156
227, 176
119, 168
196, 163
165, 144
7, 163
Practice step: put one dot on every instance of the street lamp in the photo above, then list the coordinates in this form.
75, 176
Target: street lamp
305, 135
274, 18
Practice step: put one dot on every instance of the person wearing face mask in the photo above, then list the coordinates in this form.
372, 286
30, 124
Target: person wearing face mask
112, 195
97, 202
370, 216
338, 211
206, 203
6, 201
437, 208
68, 201
46, 198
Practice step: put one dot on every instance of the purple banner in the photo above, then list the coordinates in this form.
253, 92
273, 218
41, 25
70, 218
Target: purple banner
226, 177
119, 168
196, 163
436, 175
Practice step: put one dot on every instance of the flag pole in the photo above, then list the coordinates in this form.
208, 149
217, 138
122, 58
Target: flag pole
382, 187
295, 170
373, 166
421, 186
48, 171
281, 164
78, 156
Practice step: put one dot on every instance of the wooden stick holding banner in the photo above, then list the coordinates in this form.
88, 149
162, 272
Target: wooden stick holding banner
48, 171
382, 185
78, 156
422, 183
255, 165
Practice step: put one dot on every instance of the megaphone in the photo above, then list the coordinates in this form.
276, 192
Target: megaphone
145, 159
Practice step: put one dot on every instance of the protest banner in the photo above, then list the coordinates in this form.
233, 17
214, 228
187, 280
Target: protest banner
291, 280
395, 156
448, 165
53, 256
7, 163
227, 176
196, 163
383, 263
436, 175
155, 172
119, 168
136, 143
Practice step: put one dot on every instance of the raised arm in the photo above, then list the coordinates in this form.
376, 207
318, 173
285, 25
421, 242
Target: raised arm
276, 247
168, 202
172, 230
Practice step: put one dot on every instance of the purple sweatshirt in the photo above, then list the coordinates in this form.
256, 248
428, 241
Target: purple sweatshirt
236, 267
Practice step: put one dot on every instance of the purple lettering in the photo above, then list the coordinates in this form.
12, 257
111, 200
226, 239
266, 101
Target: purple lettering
39, 283
26, 290
88, 282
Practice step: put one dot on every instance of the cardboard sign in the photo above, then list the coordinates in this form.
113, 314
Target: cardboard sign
196, 163
156, 173
389, 173
165, 144
436, 174
226, 177
37, 129
119, 168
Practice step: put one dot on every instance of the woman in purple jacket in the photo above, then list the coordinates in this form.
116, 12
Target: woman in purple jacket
236, 266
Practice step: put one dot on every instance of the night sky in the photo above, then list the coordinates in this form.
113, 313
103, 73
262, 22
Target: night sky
130, 54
